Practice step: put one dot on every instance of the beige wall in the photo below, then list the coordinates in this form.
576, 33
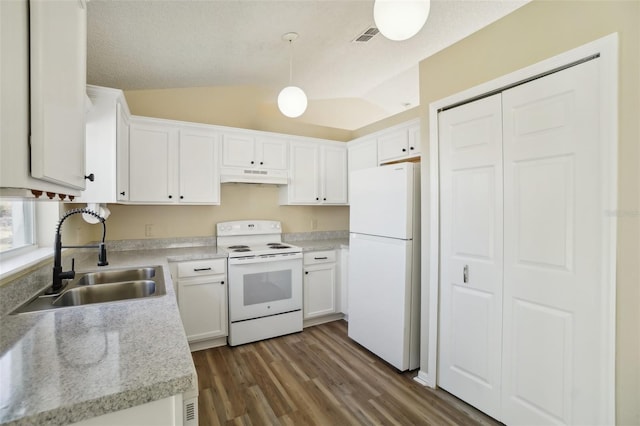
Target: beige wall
535, 32
402, 117
234, 106
238, 202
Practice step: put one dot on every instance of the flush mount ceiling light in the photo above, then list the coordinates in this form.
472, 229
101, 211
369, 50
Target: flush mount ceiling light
400, 19
292, 100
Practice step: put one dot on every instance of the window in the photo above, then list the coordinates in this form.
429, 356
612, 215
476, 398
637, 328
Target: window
17, 225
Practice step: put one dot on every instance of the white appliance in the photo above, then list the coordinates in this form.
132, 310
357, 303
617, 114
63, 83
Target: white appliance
384, 262
265, 280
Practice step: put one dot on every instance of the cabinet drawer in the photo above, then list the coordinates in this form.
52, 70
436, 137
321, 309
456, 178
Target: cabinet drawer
315, 257
198, 268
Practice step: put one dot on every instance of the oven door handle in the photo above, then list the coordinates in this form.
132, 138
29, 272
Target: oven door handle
264, 259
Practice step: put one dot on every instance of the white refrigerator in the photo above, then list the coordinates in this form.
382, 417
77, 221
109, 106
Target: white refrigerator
384, 262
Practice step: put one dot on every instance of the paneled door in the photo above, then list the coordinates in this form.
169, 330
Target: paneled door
552, 365
471, 253
522, 225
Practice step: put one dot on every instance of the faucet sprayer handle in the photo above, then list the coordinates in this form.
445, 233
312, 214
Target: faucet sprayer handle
102, 255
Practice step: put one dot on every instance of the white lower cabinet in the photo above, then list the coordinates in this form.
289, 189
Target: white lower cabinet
202, 299
344, 281
163, 412
319, 284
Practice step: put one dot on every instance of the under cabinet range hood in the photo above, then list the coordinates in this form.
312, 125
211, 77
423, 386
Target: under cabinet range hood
249, 175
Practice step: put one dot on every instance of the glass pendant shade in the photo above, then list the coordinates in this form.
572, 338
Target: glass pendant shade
400, 19
292, 101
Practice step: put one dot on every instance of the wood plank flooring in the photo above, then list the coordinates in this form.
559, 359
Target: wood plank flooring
317, 377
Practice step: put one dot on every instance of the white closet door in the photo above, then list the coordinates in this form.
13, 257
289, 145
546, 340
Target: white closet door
471, 253
552, 250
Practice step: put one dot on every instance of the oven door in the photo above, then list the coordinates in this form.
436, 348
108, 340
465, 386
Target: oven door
264, 285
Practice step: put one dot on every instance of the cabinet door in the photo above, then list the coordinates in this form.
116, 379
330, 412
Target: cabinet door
303, 187
414, 139
122, 154
393, 145
319, 290
203, 308
271, 153
363, 156
238, 150
58, 34
152, 163
334, 175
198, 171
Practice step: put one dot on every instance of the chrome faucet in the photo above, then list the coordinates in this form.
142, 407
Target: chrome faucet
58, 274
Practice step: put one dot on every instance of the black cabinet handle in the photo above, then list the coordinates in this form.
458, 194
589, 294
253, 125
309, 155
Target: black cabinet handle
324, 199
221, 282
122, 193
411, 148
181, 197
317, 198
90, 177
404, 149
253, 162
170, 196
306, 272
201, 269
321, 258
261, 163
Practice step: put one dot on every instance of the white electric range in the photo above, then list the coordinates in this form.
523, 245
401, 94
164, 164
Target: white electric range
265, 280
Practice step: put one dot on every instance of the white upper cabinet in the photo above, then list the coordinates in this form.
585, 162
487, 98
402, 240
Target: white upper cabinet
198, 172
50, 89
318, 174
122, 152
333, 174
171, 164
363, 154
152, 154
251, 151
399, 142
107, 136
58, 52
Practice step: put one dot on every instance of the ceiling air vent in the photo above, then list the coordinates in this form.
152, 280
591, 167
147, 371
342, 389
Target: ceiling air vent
367, 35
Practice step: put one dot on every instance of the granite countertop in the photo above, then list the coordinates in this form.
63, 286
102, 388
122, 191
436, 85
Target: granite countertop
66, 365
316, 245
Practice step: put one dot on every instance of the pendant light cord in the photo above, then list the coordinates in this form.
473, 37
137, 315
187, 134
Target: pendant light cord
290, 62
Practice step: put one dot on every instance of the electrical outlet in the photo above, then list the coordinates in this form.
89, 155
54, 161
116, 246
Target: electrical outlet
148, 230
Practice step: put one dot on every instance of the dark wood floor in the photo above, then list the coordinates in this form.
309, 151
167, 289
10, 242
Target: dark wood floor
317, 377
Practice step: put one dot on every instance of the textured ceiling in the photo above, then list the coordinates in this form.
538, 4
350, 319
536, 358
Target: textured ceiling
153, 44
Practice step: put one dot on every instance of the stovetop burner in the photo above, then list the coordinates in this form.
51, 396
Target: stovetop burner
253, 238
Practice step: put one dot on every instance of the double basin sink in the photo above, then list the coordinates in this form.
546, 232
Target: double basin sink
112, 285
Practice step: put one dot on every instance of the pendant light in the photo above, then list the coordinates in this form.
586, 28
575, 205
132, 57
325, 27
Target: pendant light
400, 19
292, 100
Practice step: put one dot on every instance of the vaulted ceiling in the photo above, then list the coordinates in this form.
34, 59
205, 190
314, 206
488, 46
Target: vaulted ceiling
157, 44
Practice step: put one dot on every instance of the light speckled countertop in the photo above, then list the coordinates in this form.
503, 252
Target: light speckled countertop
66, 365
315, 245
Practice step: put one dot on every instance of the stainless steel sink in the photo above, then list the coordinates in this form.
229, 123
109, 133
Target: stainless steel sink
110, 292
117, 276
102, 287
